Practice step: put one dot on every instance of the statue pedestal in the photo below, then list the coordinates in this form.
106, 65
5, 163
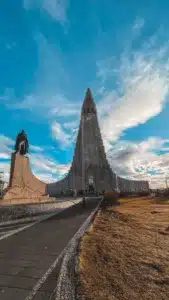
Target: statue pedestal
23, 186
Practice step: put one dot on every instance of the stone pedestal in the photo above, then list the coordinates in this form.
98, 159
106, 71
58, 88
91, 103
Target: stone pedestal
23, 185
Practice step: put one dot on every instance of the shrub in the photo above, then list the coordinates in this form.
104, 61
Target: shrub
109, 199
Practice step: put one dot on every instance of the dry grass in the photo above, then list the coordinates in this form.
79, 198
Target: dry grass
125, 255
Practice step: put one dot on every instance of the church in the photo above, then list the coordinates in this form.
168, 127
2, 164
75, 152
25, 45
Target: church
90, 169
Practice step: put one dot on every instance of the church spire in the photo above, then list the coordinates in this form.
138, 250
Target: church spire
88, 104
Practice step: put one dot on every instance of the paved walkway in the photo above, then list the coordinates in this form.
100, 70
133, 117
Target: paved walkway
25, 256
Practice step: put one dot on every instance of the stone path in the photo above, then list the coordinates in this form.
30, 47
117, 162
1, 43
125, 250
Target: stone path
9, 228
25, 256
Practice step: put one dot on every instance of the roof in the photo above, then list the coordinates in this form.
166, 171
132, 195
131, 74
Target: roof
88, 101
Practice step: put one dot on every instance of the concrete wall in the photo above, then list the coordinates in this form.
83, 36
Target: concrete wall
126, 185
94, 162
23, 184
90, 159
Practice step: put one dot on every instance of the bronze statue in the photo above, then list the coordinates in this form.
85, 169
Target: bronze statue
21, 145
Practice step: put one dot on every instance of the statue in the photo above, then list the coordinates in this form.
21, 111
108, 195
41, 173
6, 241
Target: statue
21, 145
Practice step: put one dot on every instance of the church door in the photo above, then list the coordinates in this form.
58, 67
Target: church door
91, 187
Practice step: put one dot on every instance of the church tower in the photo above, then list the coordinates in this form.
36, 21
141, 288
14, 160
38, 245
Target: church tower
90, 169
90, 157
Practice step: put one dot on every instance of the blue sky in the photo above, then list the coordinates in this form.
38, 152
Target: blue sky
51, 51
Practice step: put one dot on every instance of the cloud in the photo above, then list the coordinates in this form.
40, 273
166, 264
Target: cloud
65, 134
6, 145
54, 105
140, 160
71, 124
5, 168
47, 169
46, 177
47, 98
57, 9
59, 134
65, 109
128, 159
42, 164
138, 25
60, 170
4, 140
141, 91
36, 148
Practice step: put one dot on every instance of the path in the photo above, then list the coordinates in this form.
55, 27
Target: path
25, 256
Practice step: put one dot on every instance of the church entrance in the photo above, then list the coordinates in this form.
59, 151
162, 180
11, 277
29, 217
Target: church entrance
91, 187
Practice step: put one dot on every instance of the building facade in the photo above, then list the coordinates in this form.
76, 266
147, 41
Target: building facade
90, 169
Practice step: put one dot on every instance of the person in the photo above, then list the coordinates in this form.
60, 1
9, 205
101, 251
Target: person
75, 193
84, 202
83, 199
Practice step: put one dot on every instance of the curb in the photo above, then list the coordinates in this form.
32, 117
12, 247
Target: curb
65, 289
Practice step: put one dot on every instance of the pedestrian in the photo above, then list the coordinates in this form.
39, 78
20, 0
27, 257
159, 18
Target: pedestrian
75, 193
83, 202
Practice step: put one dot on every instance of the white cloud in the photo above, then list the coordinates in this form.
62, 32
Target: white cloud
54, 105
140, 160
4, 140
46, 177
36, 148
47, 99
4, 155
142, 86
71, 125
65, 109
138, 25
42, 165
5, 168
128, 159
140, 93
140, 80
6, 145
65, 134
62, 169
46, 167
59, 134
57, 9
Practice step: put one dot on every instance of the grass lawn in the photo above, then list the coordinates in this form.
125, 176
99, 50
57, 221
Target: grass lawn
125, 254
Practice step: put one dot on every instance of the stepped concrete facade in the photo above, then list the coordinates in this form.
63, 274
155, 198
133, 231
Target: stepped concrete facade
23, 186
90, 167
89, 171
